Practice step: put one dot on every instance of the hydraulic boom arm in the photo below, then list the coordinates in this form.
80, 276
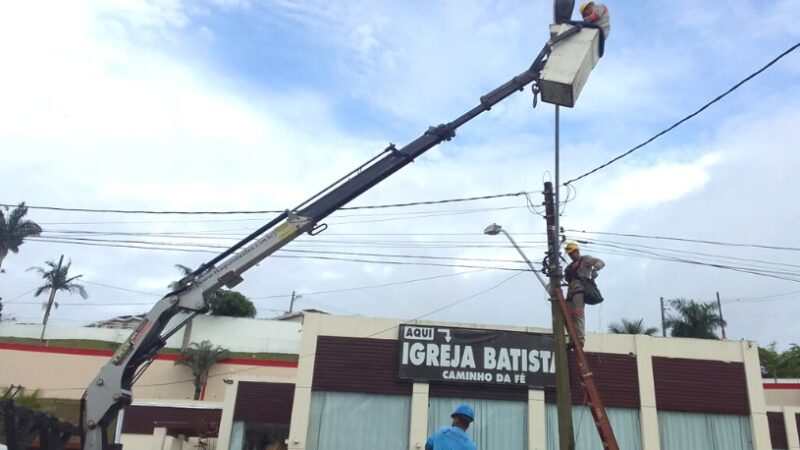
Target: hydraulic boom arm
111, 389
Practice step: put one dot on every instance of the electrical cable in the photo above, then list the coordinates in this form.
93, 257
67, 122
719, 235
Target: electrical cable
234, 372
698, 241
690, 116
269, 211
770, 264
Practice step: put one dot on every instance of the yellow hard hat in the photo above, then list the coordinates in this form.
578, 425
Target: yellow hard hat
583, 6
572, 246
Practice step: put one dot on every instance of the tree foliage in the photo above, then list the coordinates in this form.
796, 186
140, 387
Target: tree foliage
199, 358
690, 318
775, 364
232, 304
21, 396
626, 326
58, 279
184, 270
14, 229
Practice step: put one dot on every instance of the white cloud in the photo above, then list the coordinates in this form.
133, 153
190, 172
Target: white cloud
104, 112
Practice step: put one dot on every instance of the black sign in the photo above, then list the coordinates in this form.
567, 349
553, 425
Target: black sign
462, 355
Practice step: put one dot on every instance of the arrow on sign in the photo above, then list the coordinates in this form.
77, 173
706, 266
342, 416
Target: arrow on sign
446, 334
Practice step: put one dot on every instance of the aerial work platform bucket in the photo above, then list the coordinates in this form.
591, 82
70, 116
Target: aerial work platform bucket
569, 65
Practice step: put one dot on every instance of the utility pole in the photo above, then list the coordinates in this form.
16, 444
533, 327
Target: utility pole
566, 437
50, 300
722, 321
663, 320
291, 303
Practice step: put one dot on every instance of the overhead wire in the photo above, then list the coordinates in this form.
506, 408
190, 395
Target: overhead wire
685, 119
756, 262
269, 211
699, 241
234, 372
652, 255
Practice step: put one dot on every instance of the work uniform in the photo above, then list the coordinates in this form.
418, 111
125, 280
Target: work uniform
576, 274
450, 438
601, 17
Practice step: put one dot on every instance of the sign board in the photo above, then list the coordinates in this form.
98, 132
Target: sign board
463, 355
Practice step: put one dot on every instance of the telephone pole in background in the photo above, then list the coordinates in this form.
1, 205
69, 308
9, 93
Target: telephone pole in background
663, 319
722, 321
566, 437
291, 303
50, 300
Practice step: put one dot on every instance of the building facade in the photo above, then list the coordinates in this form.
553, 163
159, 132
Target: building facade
356, 382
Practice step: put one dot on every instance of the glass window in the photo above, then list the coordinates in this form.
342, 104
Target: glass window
258, 436
693, 431
498, 424
624, 421
348, 421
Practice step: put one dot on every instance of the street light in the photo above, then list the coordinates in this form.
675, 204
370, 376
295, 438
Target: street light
563, 400
495, 229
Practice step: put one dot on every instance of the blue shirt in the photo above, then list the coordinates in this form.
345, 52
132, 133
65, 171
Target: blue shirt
450, 438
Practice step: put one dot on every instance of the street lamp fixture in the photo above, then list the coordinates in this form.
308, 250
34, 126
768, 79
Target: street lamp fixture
495, 229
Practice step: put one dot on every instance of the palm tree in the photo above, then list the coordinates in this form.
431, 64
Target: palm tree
199, 358
693, 319
14, 230
184, 270
631, 327
56, 279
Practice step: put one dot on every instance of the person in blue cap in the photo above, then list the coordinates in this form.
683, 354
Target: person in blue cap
455, 436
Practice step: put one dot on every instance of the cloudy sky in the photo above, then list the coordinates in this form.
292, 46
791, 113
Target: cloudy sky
243, 105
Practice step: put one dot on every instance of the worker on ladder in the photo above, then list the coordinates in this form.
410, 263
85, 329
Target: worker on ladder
582, 290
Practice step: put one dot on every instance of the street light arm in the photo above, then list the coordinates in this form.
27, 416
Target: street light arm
530, 264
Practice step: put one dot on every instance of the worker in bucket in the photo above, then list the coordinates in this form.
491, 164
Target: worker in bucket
455, 436
596, 13
580, 275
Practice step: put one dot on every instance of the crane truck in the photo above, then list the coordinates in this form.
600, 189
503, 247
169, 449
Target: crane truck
111, 390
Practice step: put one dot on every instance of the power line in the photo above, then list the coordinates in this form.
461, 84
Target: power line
373, 286
652, 255
442, 308
756, 262
402, 216
270, 211
324, 258
690, 116
699, 241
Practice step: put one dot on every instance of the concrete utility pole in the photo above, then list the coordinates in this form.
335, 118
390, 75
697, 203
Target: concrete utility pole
663, 320
50, 300
722, 321
291, 303
566, 437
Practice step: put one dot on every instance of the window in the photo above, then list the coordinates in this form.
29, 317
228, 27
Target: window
345, 421
624, 421
694, 431
498, 423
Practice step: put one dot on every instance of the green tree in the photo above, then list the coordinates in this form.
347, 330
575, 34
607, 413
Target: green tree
626, 326
199, 358
20, 397
14, 229
689, 318
184, 270
776, 364
56, 277
232, 304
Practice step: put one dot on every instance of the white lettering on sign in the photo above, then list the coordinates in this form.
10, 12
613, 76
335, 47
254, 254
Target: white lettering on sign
462, 375
489, 361
533, 360
418, 333
435, 355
